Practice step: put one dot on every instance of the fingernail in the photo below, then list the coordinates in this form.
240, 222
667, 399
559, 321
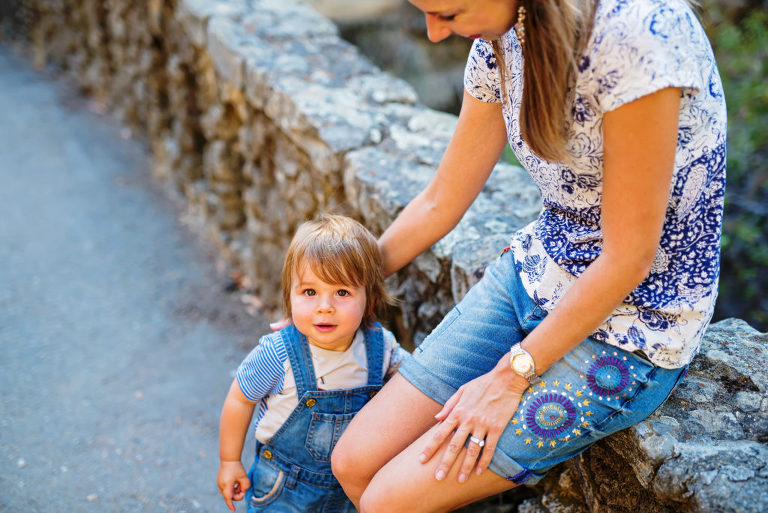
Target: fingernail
422, 458
440, 475
462, 478
479, 471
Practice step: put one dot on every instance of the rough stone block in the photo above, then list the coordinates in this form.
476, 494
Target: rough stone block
194, 15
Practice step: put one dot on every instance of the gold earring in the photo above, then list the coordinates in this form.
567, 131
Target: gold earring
520, 25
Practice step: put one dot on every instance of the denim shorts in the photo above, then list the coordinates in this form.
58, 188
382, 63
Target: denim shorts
593, 391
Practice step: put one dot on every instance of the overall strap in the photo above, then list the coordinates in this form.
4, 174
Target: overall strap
297, 347
374, 351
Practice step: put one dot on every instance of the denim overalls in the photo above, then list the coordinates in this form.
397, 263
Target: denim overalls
292, 473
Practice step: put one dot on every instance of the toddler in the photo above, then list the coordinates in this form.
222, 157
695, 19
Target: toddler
310, 378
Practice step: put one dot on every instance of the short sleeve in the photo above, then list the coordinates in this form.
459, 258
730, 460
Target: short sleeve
641, 47
397, 355
263, 370
481, 76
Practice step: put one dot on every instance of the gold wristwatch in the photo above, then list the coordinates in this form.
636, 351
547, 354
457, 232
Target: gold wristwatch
522, 364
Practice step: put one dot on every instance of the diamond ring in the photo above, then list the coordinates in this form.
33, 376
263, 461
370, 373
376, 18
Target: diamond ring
476, 440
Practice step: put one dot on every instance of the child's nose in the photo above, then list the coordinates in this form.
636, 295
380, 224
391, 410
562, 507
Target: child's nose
325, 304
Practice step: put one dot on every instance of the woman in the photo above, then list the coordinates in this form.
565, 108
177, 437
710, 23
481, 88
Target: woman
589, 319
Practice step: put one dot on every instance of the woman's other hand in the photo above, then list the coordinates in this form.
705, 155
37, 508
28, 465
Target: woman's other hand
278, 325
480, 408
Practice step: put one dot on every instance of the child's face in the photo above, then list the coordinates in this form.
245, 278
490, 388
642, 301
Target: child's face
328, 314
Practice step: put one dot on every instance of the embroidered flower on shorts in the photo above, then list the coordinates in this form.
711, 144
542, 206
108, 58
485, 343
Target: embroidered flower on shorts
552, 413
607, 375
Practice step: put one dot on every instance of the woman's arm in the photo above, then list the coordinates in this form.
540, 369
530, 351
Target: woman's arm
473, 151
640, 139
235, 418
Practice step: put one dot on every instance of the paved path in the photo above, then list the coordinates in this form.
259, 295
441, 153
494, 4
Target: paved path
117, 342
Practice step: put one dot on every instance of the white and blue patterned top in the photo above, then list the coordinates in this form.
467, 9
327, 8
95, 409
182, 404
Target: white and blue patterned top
637, 47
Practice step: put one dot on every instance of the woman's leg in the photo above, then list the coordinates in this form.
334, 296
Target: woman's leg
389, 423
405, 485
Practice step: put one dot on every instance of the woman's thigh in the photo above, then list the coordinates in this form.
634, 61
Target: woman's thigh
405, 484
391, 421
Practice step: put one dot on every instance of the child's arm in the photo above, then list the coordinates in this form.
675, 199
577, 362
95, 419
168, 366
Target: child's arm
235, 418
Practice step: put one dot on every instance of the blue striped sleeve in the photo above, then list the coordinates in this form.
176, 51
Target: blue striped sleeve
263, 370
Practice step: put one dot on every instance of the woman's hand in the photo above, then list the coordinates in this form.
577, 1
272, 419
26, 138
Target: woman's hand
278, 325
480, 408
232, 481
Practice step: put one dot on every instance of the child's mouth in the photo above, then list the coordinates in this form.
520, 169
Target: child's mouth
325, 327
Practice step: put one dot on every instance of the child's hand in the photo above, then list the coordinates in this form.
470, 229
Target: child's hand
232, 481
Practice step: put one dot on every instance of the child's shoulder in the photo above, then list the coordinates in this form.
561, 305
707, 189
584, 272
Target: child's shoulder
271, 347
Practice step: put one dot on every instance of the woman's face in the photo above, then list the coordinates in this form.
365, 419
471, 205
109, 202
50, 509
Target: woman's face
486, 19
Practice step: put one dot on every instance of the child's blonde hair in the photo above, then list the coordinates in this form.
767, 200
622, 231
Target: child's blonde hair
339, 250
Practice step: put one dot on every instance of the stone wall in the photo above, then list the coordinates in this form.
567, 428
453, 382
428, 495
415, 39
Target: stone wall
261, 117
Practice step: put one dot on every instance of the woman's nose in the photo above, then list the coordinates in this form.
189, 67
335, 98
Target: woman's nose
436, 28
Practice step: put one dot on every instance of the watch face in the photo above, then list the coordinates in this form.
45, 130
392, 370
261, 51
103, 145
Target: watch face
522, 364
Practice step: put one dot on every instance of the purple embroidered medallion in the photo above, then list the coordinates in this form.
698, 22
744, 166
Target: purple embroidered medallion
608, 375
550, 415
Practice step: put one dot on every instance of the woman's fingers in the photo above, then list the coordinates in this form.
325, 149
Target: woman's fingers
278, 325
493, 435
477, 411
491, 439
452, 451
477, 441
441, 431
449, 404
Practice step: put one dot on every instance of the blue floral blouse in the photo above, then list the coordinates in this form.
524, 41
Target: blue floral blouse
637, 47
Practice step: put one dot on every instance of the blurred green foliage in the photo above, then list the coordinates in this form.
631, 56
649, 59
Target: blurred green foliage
740, 40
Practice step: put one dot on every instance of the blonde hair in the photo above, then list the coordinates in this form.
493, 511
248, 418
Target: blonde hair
339, 250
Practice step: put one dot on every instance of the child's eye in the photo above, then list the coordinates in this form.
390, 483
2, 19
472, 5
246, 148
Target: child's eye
343, 292
309, 292
447, 17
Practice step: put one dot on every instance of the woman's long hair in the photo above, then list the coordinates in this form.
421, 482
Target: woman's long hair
556, 32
